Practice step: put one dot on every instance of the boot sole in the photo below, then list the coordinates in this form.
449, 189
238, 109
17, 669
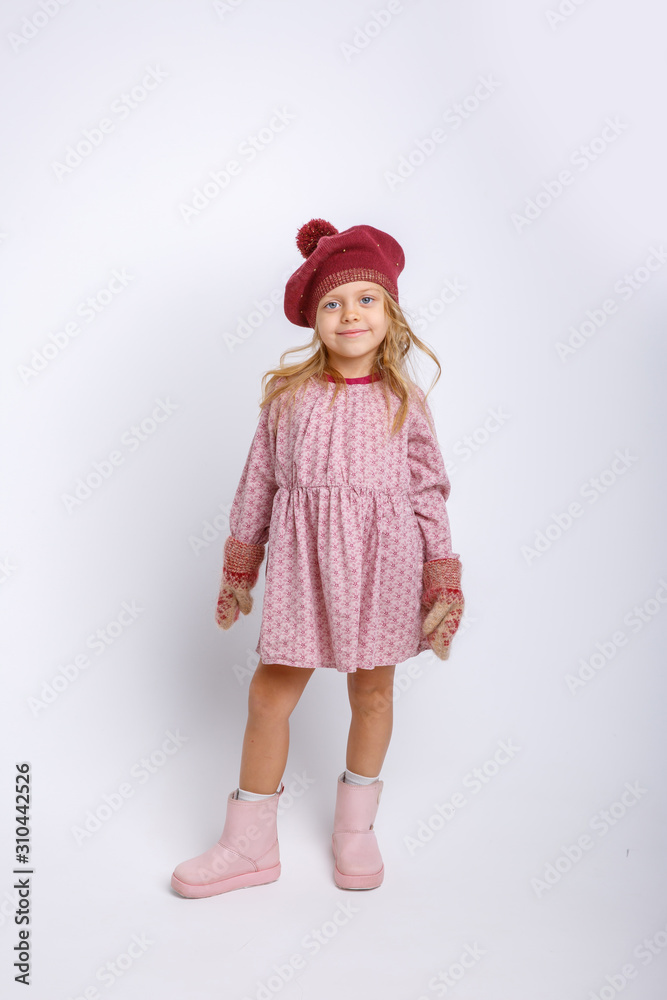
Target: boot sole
358, 881
244, 881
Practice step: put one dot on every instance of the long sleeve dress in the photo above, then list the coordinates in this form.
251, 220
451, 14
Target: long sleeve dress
350, 515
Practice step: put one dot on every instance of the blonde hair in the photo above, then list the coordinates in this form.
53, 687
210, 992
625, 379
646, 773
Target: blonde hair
391, 361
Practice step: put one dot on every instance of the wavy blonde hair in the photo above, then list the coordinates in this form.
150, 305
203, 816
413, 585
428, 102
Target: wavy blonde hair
391, 360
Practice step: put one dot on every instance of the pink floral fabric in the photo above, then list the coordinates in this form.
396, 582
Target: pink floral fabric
350, 515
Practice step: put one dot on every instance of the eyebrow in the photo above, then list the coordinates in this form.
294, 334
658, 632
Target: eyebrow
364, 291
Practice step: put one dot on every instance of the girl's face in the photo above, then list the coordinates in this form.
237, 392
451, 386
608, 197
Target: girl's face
351, 322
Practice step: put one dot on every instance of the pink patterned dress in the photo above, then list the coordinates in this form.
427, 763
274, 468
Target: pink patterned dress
350, 515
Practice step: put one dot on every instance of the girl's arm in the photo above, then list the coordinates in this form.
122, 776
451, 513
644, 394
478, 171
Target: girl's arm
249, 520
429, 486
250, 513
442, 599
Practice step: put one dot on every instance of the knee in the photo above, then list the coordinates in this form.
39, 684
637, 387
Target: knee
266, 701
371, 697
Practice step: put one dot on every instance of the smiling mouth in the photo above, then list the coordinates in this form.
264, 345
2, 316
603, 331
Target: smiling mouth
351, 333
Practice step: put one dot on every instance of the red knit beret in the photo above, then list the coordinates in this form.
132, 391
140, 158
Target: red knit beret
360, 253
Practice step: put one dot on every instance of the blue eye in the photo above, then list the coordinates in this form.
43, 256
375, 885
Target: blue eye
334, 302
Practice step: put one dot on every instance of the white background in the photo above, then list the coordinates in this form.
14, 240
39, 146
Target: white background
364, 91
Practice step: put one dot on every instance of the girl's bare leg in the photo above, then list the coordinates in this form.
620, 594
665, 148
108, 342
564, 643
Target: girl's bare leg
371, 694
274, 692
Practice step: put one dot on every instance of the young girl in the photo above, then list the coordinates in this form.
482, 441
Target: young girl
346, 482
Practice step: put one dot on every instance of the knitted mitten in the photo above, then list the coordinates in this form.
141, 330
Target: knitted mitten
239, 575
442, 603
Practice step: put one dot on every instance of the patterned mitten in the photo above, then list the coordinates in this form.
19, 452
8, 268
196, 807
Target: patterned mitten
239, 575
442, 603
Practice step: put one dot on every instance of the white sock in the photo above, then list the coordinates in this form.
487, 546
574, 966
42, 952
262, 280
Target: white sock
241, 793
357, 779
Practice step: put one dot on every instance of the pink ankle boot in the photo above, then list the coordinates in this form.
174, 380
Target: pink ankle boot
246, 854
355, 847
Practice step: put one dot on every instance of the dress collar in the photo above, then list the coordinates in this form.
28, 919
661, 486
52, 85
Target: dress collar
358, 381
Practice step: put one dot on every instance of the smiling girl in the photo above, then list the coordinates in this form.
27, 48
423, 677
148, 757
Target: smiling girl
346, 483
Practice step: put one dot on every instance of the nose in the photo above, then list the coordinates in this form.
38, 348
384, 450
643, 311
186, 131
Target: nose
350, 311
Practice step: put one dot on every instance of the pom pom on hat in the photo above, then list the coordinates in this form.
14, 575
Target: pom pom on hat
309, 235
